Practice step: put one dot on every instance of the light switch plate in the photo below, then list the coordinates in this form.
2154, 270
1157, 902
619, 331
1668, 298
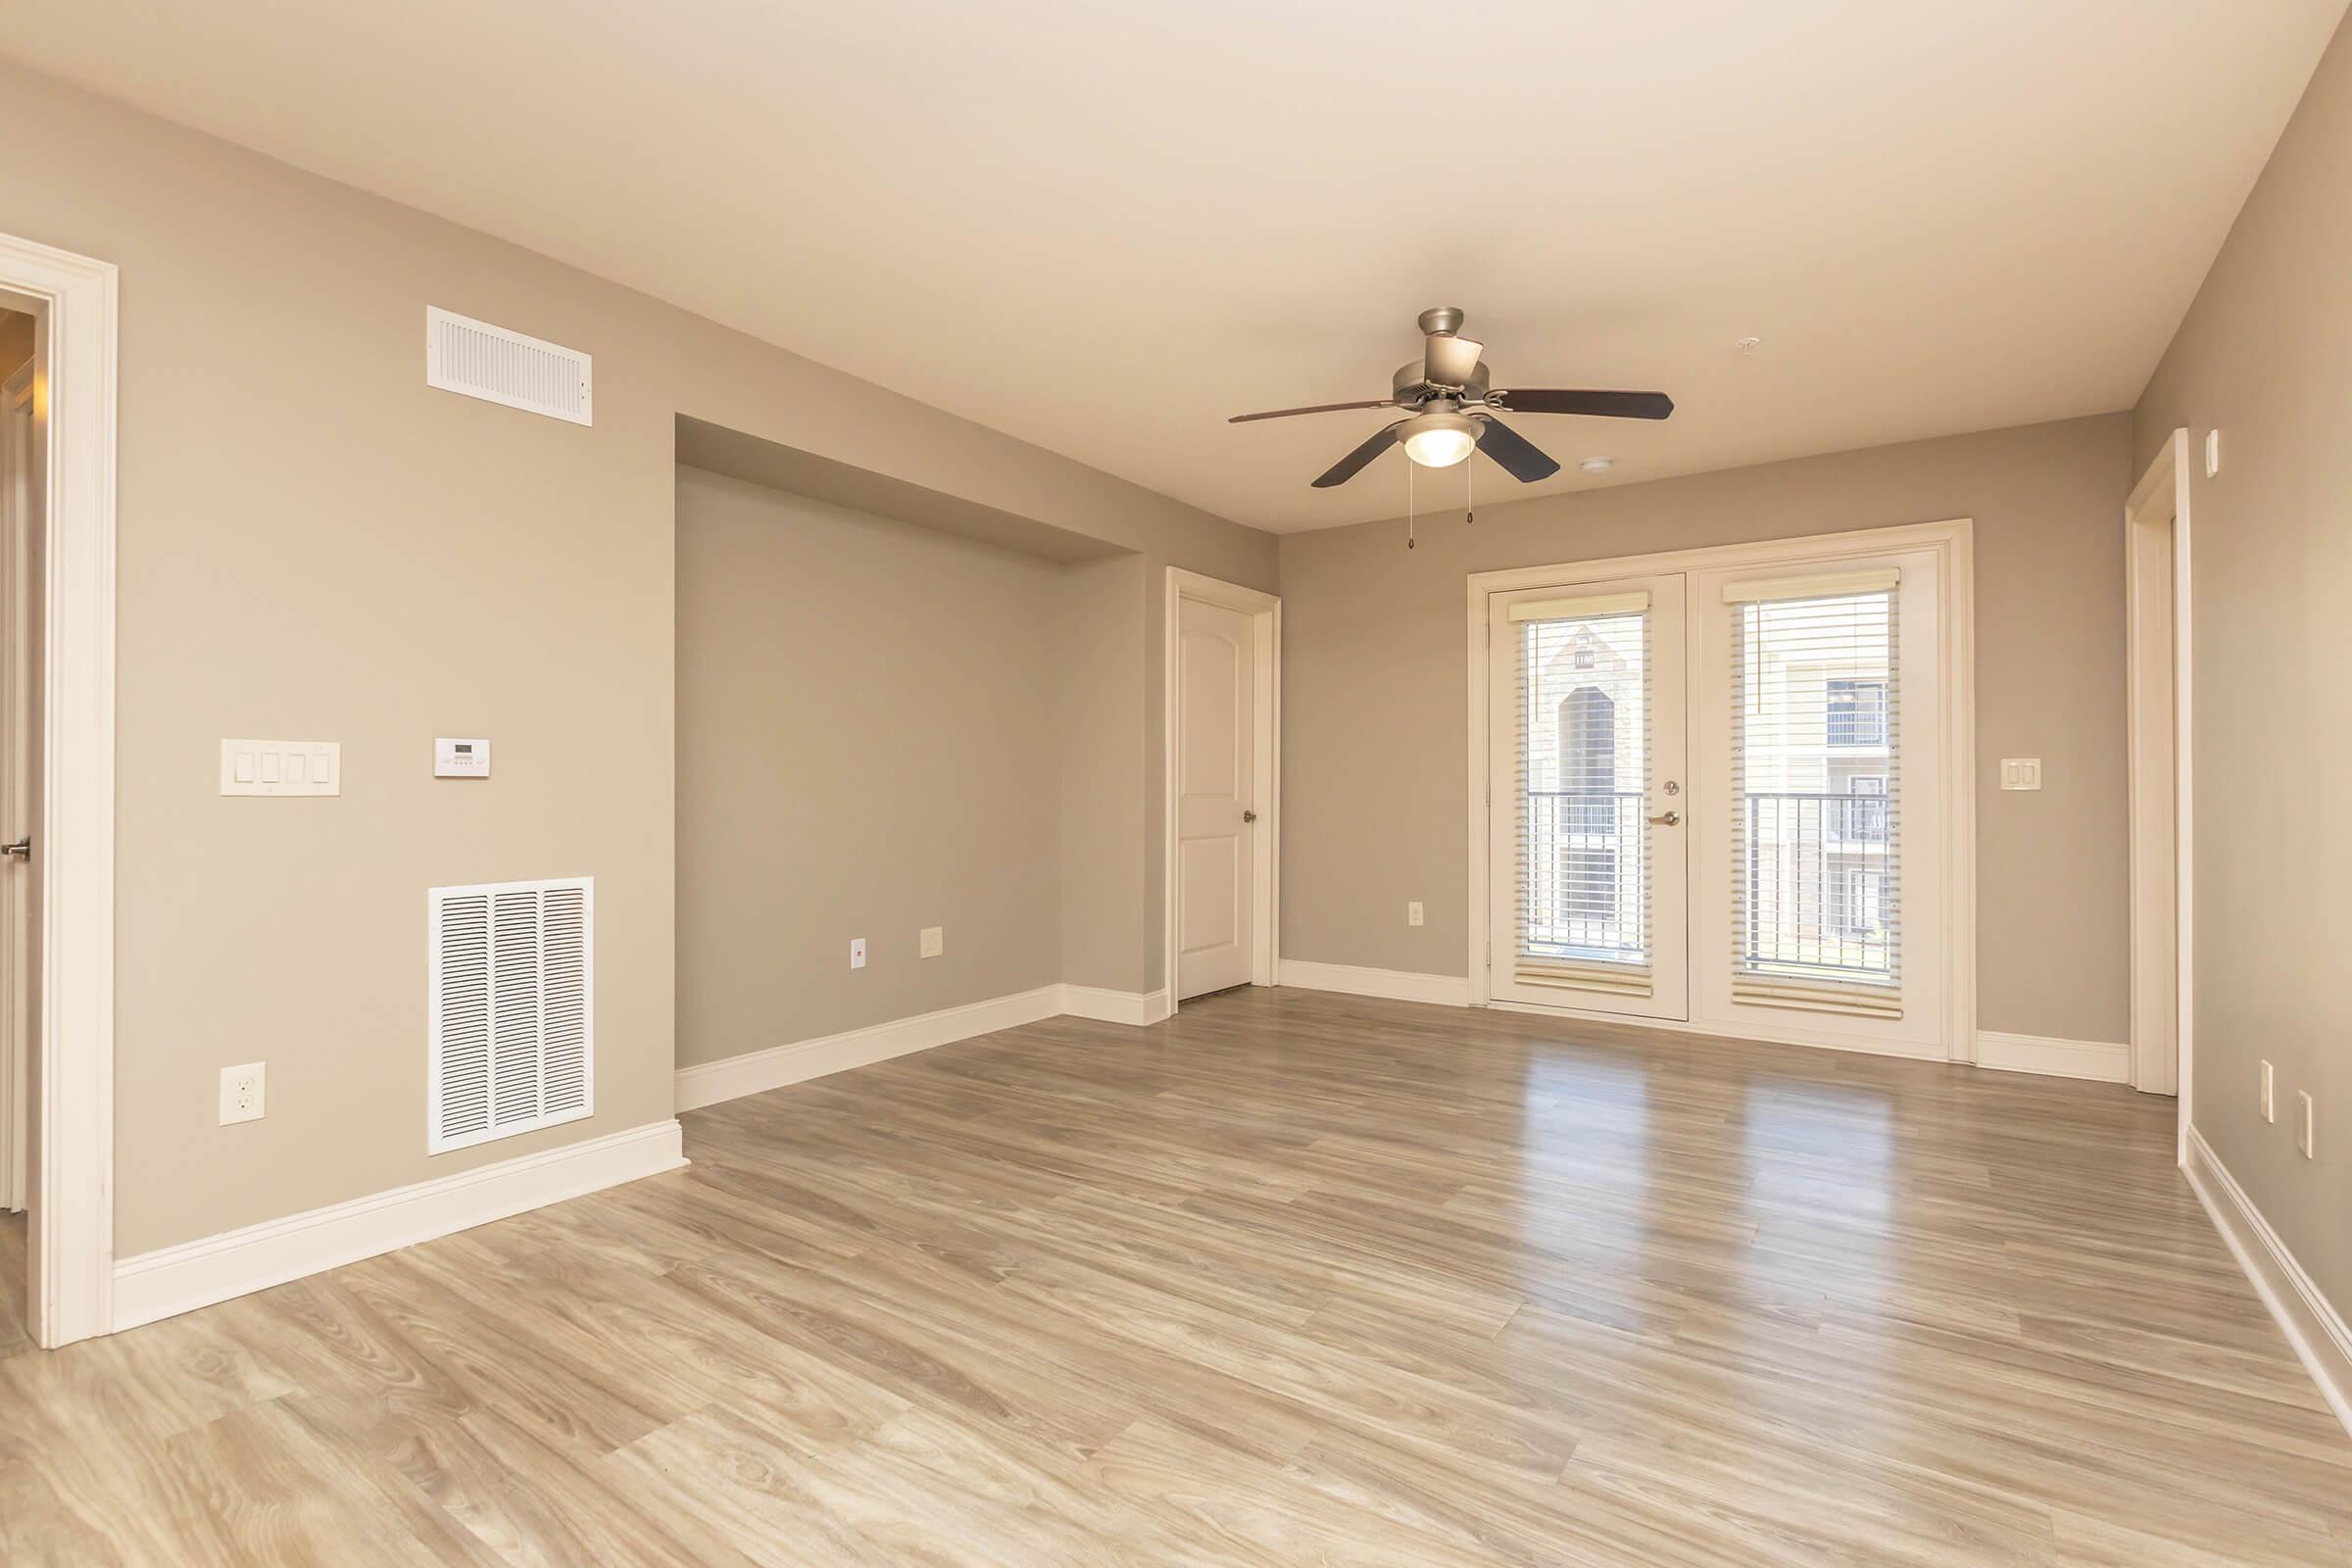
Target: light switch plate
2021, 772
281, 767
933, 941
2213, 454
457, 757
2270, 1102
2306, 1131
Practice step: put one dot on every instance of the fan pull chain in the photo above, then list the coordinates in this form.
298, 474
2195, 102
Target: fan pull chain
1408, 502
1469, 490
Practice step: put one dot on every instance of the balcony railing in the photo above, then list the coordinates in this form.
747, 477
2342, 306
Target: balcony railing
1816, 900
1583, 884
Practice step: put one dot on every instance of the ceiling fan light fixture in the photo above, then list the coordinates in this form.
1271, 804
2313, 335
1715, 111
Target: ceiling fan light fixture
1439, 440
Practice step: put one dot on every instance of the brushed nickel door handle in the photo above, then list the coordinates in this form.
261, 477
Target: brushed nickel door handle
22, 850
1248, 815
1670, 819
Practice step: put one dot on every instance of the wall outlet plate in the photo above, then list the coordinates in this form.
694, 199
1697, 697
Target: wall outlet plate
1412, 912
241, 1092
856, 952
933, 941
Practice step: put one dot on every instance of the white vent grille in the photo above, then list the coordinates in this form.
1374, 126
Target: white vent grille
512, 1006
482, 361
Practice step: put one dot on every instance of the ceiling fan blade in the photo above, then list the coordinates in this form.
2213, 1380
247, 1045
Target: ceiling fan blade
1349, 467
1452, 361
1608, 404
1318, 408
1519, 458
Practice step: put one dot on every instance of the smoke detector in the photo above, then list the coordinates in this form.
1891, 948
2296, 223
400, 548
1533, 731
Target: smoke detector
1595, 465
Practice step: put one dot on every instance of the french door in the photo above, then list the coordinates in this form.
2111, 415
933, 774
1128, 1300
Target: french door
1718, 796
1586, 832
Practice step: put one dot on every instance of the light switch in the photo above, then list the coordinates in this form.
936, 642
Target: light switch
932, 941
281, 767
2021, 772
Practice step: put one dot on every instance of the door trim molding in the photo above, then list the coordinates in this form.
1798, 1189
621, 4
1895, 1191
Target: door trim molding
1265, 612
71, 1227
2161, 498
1954, 541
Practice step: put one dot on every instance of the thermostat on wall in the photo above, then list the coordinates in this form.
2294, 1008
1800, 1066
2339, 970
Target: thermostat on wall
460, 758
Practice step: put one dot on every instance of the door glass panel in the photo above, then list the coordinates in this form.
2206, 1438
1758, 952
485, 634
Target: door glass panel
1816, 807
1584, 776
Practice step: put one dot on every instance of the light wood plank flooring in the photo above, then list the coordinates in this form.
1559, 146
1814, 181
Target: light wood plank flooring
1296, 1279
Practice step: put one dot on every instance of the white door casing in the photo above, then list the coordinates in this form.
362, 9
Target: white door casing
1216, 771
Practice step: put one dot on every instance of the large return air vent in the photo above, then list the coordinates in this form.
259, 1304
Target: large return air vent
482, 361
512, 1009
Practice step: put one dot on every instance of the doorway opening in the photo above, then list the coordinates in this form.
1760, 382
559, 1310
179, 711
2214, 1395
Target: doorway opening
21, 451
1222, 686
2156, 581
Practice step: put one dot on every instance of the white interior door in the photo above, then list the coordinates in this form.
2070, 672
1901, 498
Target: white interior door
20, 562
1216, 767
1587, 809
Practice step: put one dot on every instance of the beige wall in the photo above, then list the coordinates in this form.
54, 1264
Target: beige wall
315, 544
1375, 733
2265, 355
868, 743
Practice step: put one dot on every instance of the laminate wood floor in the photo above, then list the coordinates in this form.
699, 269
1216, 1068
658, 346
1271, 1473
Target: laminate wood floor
1294, 1279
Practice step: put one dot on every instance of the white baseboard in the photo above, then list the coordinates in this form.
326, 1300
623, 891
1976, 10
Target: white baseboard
803, 1060
2109, 1063
2311, 1323
178, 1279
1115, 1006
1398, 984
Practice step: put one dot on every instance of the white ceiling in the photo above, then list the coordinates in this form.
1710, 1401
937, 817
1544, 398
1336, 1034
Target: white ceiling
1104, 225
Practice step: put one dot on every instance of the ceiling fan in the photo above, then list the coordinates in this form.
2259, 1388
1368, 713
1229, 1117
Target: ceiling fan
1453, 407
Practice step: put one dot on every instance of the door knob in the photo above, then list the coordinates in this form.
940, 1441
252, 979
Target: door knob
22, 850
1670, 819
1248, 815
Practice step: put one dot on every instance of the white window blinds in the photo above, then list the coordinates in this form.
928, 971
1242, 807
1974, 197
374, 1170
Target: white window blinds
1816, 804
1583, 746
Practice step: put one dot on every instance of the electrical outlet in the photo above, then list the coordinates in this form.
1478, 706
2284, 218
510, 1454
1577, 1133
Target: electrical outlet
2306, 1133
241, 1093
1412, 912
856, 952
2270, 1106
933, 941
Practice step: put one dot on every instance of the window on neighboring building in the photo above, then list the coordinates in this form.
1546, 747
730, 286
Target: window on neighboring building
1857, 713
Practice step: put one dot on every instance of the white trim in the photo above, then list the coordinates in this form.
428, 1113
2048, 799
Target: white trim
2311, 1323
1397, 985
178, 1279
2162, 918
709, 1083
73, 1216
1954, 541
1265, 612
2106, 1062
1136, 1007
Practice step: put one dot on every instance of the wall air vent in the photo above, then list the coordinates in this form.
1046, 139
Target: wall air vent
482, 361
511, 1004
